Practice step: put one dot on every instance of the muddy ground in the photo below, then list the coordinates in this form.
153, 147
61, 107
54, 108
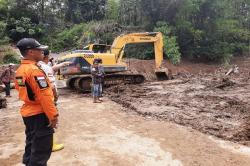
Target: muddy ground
201, 96
103, 135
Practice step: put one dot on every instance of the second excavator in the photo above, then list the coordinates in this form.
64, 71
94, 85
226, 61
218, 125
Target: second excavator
78, 73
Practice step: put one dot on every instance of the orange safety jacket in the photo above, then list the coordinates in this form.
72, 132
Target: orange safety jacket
35, 90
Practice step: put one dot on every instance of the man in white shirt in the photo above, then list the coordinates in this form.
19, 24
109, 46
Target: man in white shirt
49, 71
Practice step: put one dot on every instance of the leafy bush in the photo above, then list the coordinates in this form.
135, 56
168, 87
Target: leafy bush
24, 27
235, 35
3, 39
100, 32
8, 54
68, 38
2, 28
80, 35
10, 58
112, 9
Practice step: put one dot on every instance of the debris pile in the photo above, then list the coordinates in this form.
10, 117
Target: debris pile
213, 102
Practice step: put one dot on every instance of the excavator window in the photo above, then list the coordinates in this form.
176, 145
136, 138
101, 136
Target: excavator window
82, 51
101, 48
73, 60
98, 49
139, 50
80, 63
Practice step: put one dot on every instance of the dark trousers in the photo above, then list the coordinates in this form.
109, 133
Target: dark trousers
39, 140
7, 88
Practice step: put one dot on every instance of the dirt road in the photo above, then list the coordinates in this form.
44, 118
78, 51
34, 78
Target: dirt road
103, 135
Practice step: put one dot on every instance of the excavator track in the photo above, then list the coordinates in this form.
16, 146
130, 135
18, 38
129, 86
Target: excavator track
70, 83
83, 82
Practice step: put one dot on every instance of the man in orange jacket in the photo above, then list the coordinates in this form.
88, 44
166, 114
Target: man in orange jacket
38, 111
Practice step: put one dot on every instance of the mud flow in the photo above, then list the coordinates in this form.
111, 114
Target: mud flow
201, 96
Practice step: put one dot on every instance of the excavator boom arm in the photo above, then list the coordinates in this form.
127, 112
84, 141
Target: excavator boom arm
147, 37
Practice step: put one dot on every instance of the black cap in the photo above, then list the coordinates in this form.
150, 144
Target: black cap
30, 43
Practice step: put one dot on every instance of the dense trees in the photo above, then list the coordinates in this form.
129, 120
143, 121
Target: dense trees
78, 11
200, 29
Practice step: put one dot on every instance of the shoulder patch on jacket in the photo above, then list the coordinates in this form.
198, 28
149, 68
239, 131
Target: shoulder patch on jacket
20, 81
42, 82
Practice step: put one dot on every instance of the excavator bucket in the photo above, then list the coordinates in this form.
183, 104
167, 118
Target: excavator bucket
163, 74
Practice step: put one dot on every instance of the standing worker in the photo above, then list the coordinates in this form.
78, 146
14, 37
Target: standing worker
6, 78
96, 81
102, 75
48, 70
39, 113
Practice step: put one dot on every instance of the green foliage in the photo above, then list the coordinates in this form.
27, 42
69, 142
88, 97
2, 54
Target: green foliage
3, 39
3, 9
68, 38
171, 47
112, 9
18, 29
235, 35
3, 13
84, 10
10, 58
104, 31
211, 30
130, 13
8, 54
80, 35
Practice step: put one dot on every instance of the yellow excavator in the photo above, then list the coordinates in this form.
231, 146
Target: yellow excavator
78, 73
